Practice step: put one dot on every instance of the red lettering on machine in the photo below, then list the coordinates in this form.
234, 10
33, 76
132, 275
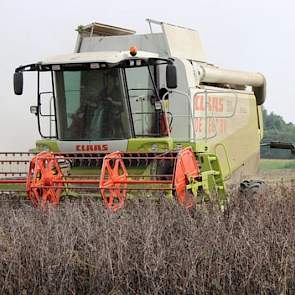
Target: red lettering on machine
92, 147
214, 125
214, 107
214, 103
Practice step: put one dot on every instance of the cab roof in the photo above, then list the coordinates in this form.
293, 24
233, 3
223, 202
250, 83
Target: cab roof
88, 57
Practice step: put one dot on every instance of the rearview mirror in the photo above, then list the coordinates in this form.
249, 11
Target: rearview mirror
18, 82
171, 76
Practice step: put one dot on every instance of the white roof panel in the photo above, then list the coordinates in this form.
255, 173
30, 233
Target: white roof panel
184, 43
88, 57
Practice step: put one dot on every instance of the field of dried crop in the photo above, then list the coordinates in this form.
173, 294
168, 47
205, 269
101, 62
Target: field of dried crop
275, 177
151, 248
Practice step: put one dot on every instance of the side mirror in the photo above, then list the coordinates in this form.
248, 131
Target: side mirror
171, 76
18, 83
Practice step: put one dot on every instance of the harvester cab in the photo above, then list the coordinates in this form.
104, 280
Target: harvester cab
148, 102
102, 100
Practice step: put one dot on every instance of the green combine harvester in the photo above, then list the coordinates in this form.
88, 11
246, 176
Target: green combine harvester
133, 112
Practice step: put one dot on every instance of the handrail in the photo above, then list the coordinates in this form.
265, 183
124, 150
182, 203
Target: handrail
207, 92
186, 95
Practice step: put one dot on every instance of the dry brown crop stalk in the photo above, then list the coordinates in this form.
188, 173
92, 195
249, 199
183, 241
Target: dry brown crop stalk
150, 248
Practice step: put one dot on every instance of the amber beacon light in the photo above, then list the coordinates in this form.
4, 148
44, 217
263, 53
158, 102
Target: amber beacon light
133, 51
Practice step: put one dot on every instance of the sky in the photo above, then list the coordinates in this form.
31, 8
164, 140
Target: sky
252, 35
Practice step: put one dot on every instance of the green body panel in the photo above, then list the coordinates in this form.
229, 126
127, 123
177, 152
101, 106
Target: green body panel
198, 147
150, 144
46, 145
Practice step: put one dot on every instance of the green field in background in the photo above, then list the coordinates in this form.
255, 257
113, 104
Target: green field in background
270, 164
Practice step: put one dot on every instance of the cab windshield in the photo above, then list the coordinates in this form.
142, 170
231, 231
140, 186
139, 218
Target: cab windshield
91, 105
117, 103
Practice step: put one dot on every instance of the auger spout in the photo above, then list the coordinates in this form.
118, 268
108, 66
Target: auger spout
212, 74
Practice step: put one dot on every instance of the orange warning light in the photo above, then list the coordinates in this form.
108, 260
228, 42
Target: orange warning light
133, 51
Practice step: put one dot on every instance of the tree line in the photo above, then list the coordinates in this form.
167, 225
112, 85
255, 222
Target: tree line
276, 129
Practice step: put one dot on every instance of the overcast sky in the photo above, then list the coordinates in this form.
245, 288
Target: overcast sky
252, 35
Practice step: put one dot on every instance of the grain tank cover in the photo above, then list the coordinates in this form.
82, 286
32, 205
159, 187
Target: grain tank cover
98, 29
183, 42
172, 41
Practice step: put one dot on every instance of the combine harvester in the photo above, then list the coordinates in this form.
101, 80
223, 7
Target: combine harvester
130, 112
